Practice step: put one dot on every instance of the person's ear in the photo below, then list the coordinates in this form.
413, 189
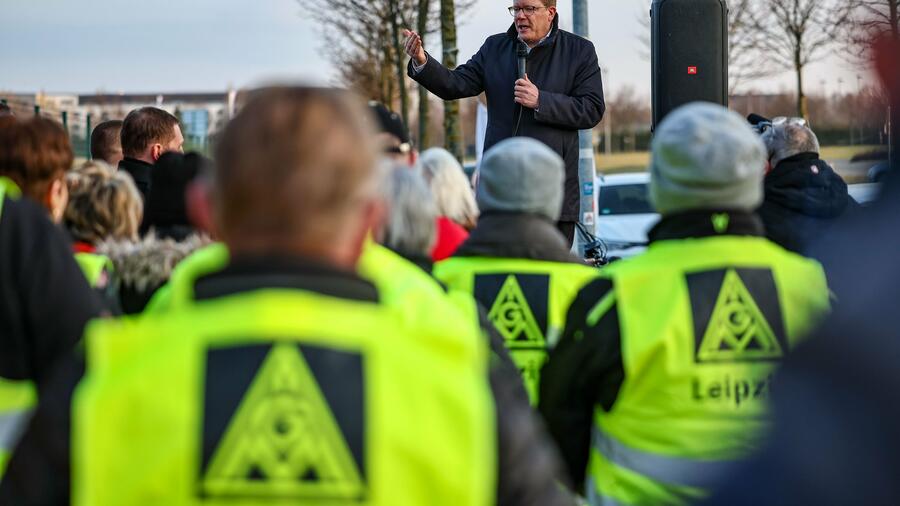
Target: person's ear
552, 11
57, 199
198, 203
156, 151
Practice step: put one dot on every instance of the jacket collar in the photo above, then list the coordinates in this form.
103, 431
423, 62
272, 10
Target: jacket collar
799, 157
516, 235
549, 40
139, 169
706, 223
243, 274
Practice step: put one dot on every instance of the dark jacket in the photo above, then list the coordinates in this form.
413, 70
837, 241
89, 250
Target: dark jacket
512, 235
39, 472
585, 369
165, 208
140, 171
564, 68
803, 198
45, 300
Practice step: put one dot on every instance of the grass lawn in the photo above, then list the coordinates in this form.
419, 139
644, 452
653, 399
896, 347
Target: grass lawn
638, 161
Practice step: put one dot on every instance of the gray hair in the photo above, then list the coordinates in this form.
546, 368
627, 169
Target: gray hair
788, 139
452, 193
410, 228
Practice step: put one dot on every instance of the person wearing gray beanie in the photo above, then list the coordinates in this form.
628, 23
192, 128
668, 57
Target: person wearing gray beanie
706, 157
521, 175
516, 263
649, 343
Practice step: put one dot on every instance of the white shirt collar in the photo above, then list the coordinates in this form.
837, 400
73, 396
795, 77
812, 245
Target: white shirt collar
539, 42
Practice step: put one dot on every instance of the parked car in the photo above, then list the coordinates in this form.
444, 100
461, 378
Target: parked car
864, 193
624, 213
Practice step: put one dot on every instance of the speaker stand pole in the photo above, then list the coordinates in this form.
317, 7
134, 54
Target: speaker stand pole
586, 171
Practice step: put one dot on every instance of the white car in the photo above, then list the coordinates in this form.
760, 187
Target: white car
624, 213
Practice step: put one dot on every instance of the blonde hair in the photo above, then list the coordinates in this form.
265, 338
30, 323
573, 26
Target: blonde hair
451, 190
103, 204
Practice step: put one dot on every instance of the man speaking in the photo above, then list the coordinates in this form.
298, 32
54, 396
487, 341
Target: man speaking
558, 92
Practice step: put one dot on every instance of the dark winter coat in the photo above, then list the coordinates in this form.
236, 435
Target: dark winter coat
564, 68
803, 198
45, 300
139, 171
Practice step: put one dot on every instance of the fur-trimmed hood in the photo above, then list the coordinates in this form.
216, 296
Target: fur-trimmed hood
146, 264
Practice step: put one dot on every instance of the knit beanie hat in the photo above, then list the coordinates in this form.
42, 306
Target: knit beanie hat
521, 175
706, 157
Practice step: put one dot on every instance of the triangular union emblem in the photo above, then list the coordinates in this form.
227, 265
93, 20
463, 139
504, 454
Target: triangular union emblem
737, 328
513, 318
283, 439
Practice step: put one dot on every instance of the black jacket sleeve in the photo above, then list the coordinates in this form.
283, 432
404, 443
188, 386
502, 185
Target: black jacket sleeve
465, 81
584, 106
530, 472
584, 371
46, 300
529, 469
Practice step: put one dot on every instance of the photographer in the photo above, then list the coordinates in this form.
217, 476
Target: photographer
803, 194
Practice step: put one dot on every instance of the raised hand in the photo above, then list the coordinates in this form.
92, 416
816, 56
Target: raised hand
414, 47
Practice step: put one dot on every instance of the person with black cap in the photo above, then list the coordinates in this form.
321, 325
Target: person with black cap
804, 196
393, 136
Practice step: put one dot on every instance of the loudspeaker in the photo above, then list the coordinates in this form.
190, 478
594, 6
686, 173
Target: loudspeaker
689, 54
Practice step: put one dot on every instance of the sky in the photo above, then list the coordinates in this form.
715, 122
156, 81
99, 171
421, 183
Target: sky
86, 46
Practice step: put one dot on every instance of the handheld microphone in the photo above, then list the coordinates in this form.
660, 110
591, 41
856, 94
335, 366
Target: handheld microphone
522, 55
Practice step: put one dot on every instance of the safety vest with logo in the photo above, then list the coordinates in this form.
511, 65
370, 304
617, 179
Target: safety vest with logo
284, 397
704, 323
93, 266
526, 300
17, 397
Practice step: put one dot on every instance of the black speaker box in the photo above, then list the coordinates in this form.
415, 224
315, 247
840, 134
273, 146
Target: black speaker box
689, 54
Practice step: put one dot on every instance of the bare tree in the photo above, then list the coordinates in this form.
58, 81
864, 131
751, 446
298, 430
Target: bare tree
794, 33
867, 20
363, 40
422, 27
452, 131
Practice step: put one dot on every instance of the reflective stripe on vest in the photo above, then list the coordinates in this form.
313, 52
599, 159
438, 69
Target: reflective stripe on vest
17, 401
662, 468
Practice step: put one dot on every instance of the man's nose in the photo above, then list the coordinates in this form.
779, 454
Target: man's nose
521, 15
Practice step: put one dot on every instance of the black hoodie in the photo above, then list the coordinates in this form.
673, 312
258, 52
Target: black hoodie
803, 198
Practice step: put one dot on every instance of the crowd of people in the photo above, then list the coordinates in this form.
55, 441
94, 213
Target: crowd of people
320, 314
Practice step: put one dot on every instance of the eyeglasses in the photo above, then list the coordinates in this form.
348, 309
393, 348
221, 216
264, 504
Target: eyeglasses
784, 120
763, 126
528, 10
